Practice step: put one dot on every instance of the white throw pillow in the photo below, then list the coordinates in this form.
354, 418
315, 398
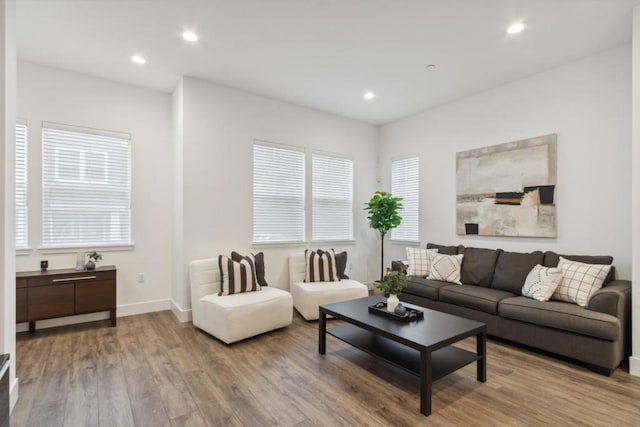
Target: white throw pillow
579, 281
541, 282
445, 267
418, 260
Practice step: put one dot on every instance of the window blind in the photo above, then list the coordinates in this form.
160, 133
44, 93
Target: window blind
21, 185
332, 194
405, 177
86, 187
278, 193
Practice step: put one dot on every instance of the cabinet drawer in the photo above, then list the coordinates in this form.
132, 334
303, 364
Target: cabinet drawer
81, 276
44, 302
21, 283
95, 296
21, 305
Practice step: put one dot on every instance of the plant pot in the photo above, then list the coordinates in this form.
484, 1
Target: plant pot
90, 265
392, 303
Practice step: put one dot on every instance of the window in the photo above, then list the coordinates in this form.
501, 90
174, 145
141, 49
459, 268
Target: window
278, 193
86, 187
405, 177
332, 194
21, 185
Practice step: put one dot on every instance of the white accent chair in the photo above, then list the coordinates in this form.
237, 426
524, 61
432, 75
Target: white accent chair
235, 317
307, 297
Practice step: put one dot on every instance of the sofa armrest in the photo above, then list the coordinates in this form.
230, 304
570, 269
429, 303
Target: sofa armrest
397, 265
615, 299
612, 299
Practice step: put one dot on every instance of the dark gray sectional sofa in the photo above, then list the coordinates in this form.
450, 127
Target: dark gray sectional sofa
492, 280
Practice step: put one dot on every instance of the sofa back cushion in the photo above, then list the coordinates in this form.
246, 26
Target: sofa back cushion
551, 259
512, 269
447, 250
478, 265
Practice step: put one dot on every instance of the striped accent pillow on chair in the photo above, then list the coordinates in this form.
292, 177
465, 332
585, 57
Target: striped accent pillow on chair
320, 266
237, 276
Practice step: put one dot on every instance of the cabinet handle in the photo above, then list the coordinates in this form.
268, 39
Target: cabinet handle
74, 279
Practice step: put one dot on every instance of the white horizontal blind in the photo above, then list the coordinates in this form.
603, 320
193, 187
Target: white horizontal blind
332, 190
86, 187
278, 193
405, 178
21, 186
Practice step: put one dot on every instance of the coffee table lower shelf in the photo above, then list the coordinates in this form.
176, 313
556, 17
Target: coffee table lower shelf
443, 361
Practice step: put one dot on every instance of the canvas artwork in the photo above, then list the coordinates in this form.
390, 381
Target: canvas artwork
508, 189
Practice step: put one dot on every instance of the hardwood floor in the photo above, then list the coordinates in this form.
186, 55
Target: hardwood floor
152, 370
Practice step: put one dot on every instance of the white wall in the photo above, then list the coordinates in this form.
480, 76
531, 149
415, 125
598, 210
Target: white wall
220, 125
634, 361
46, 94
7, 190
586, 103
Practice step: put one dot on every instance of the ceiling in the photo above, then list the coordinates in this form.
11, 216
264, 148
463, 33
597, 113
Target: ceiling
323, 54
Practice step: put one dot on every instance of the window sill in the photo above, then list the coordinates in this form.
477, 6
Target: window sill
75, 249
24, 251
333, 242
405, 242
277, 244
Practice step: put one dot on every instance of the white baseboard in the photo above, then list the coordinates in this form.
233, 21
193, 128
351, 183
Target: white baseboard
181, 314
121, 311
13, 395
634, 366
143, 307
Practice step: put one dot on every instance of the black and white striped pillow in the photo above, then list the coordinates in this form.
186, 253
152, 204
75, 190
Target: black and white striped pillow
237, 277
320, 266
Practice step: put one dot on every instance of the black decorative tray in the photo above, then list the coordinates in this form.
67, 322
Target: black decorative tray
412, 314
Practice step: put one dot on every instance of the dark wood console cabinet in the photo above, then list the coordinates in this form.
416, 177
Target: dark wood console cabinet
57, 293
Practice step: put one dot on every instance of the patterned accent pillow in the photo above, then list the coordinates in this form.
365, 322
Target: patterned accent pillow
445, 267
418, 260
320, 266
258, 263
541, 282
237, 277
579, 281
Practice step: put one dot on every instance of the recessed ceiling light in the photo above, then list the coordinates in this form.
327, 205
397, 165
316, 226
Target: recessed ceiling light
515, 28
369, 95
138, 59
190, 36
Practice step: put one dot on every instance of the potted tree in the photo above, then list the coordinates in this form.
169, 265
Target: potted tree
383, 216
394, 282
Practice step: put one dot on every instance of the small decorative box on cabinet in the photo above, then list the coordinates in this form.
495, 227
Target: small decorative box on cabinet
57, 293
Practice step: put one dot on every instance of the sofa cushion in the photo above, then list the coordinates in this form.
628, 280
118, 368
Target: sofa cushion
445, 267
475, 297
561, 315
579, 281
418, 259
551, 259
447, 250
427, 288
478, 265
512, 269
541, 282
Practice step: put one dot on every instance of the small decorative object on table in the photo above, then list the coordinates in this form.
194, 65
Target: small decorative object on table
394, 282
94, 257
409, 314
80, 264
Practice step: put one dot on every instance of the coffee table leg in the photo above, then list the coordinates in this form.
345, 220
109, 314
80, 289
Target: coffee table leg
425, 382
481, 346
322, 335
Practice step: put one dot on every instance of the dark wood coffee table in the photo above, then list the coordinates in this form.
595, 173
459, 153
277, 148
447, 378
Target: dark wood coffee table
422, 347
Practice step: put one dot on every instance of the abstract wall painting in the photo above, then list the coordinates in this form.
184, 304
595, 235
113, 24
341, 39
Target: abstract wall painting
508, 189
